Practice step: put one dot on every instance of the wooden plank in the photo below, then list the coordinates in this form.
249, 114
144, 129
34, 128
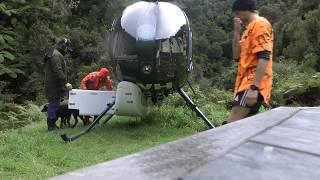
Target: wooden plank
309, 114
253, 161
172, 160
304, 120
310, 108
299, 140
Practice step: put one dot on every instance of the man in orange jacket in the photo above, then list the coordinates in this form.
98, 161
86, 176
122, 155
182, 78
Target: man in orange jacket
253, 52
97, 80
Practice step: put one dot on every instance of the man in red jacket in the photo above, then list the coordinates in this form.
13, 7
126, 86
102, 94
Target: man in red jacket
97, 80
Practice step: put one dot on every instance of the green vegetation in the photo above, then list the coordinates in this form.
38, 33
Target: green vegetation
29, 28
15, 116
33, 153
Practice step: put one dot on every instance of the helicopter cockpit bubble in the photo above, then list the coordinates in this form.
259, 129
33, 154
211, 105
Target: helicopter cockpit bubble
150, 44
146, 26
162, 18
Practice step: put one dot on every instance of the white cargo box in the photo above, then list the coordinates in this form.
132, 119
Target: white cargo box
91, 102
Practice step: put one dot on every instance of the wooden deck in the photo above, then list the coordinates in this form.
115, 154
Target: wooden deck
282, 144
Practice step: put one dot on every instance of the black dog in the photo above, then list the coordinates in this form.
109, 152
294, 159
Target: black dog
64, 113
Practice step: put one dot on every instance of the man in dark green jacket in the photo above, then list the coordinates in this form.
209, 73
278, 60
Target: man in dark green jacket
56, 79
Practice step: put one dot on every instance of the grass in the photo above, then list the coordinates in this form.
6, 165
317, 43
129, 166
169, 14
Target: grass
33, 153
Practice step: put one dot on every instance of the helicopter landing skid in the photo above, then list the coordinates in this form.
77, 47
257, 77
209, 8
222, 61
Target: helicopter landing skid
195, 108
92, 125
190, 103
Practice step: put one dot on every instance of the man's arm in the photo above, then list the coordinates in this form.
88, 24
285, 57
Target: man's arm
261, 68
236, 46
57, 69
236, 39
262, 40
263, 60
109, 84
262, 47
84, 83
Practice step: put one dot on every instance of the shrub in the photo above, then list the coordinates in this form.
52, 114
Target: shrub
293, 85
15, 116
174, 112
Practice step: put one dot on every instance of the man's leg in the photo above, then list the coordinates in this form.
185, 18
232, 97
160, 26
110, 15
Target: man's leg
240, 110
237, 113
52, 117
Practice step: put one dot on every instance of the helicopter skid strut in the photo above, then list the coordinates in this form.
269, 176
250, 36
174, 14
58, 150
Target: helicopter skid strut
195, 108
92, 125
189, 102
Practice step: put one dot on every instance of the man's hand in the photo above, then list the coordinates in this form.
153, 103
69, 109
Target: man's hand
237, 25
252, 97
68, 86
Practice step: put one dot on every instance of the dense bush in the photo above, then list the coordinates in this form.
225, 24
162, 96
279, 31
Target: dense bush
14, 116
174, 112
29, 28
295, 86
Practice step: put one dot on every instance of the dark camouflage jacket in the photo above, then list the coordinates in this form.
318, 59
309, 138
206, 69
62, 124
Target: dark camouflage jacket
55, 74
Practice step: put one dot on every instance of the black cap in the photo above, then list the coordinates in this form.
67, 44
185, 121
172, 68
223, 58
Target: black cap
244, 5
65, 44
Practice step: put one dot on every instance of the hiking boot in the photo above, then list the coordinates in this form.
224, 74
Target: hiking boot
51, 123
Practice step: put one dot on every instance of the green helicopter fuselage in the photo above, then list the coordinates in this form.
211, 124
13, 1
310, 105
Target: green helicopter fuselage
145, 50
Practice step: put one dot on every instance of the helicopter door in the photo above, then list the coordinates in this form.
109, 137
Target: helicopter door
123, 53
168, 51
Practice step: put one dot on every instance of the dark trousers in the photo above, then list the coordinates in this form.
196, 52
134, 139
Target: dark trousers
53, 106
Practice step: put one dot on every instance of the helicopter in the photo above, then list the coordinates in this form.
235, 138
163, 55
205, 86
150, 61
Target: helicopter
150, 47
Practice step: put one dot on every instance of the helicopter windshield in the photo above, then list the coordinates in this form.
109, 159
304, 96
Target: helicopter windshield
152, 20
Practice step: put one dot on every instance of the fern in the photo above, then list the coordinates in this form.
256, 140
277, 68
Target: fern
4, 9
7, 45
14, 116
7, 58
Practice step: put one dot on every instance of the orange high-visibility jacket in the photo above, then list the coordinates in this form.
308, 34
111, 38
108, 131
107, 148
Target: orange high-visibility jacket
94, 82
257, 37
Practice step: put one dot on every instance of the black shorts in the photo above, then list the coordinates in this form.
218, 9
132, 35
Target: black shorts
240, 100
